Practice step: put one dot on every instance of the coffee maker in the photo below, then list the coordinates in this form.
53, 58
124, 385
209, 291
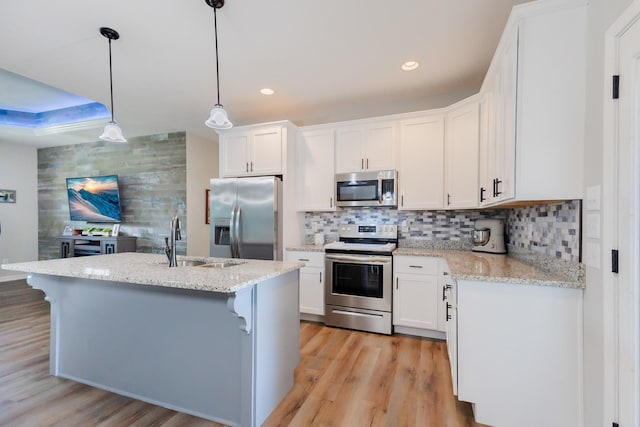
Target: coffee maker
488, 236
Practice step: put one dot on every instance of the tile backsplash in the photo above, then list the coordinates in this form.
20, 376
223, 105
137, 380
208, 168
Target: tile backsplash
547, 231
441, 229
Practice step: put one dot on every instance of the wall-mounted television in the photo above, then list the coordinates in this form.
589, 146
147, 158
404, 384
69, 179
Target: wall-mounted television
94, 198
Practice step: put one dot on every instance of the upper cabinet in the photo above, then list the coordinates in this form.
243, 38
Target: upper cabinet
461, 155
252, 151
315, 153
421, 163
532, 106
369, 146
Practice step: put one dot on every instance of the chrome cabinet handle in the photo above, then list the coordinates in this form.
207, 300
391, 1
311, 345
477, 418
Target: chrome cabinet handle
415, 266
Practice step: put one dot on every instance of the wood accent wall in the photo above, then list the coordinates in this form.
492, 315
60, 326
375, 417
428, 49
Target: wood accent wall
152, 175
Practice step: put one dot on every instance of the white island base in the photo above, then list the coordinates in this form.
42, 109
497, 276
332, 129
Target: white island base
226, 357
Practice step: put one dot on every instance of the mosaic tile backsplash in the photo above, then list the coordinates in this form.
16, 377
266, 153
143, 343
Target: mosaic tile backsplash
547, 230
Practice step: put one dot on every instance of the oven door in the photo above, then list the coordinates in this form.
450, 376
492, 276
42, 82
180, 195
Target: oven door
359, 281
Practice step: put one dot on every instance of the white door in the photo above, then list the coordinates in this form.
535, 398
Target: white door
316, 182
628, 233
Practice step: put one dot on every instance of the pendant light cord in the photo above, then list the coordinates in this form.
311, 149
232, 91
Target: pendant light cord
215, 30
111, 81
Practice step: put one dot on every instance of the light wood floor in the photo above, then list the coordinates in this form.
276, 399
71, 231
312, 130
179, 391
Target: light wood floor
345, 378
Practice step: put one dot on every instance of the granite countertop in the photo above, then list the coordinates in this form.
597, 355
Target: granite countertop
152, 269
467, 265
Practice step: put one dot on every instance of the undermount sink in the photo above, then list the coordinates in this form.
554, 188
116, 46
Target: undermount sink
189, 263
208, 264
222, 264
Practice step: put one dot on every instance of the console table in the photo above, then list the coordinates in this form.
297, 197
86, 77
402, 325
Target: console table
78, 245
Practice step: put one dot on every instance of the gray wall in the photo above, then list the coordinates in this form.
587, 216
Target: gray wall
19, 220
152, 178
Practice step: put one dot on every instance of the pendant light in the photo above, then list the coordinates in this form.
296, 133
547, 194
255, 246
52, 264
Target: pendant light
218, 118
112, 132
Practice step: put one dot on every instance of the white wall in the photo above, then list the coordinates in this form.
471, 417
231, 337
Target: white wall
19, 238
202, 165
597, 398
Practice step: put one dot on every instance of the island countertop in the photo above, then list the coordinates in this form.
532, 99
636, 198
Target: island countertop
152, 270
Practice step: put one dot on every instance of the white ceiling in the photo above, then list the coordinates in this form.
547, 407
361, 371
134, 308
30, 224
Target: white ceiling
327, 61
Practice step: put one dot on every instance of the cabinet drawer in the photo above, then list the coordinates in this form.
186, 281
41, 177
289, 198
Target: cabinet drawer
416, 265
311, 259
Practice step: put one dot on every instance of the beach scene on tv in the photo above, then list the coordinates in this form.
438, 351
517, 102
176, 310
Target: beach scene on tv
94, 199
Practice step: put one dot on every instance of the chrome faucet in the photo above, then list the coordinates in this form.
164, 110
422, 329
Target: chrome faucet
170, 241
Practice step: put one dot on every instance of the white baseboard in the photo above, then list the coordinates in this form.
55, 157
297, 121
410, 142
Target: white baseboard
11, 277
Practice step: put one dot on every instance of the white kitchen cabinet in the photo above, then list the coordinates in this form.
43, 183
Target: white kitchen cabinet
369, 146
311, 282
421, 163
251, 152
450, 302
315, 164
461, 155
417, 295
519, 353
532, 120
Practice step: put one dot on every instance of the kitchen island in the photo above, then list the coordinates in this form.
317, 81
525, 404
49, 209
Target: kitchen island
219, 341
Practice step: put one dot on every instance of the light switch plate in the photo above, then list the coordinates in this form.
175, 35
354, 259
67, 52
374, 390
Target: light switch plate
592, 254
592, 225
592, 203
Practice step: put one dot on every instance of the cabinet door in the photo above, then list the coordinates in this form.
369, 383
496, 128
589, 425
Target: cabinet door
485, 172
235, 152
506, 142
415, 301
266, 152
316, 179
312, 290
462, 157
349, 156
421, 165
380, 146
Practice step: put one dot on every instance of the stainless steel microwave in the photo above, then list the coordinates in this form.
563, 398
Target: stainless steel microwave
370, 188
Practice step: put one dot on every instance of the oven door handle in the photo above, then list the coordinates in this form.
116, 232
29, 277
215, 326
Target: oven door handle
360, 259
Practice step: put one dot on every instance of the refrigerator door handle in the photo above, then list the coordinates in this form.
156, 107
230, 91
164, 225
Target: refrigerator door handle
238, 229
232, 232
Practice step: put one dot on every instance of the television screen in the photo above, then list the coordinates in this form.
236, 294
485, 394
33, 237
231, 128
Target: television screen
94, 198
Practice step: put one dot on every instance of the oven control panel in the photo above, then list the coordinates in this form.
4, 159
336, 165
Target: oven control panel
387, 231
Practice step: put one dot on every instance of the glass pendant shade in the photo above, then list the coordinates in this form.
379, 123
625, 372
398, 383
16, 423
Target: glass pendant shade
112, 133
218, 118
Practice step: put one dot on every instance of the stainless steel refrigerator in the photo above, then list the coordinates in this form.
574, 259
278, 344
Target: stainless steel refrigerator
246, 218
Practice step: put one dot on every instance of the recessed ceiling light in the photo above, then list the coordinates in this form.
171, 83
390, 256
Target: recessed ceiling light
410, 65
266, 91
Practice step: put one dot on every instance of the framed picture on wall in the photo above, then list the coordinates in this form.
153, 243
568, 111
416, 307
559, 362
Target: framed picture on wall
7, 196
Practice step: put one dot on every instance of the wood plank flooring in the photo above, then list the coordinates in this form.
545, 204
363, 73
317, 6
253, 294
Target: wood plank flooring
345, 378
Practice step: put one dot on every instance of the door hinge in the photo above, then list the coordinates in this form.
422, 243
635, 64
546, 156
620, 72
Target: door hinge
616, 87
614, 260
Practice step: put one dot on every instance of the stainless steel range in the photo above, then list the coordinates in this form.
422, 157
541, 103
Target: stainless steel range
359, 278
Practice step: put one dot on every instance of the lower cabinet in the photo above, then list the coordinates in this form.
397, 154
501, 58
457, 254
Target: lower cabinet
311, 281
417, 295
519, 353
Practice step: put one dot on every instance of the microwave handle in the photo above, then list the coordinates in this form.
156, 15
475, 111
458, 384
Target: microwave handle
380, 189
